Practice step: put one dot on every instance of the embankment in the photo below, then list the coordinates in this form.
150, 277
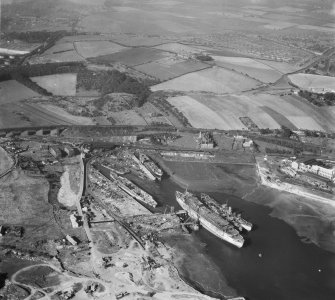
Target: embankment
290, 188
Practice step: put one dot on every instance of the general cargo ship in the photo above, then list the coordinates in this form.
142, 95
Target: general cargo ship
208, 219
150, 165
133, 190
226, 212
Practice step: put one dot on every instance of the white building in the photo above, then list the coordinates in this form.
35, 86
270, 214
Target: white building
74, 222
328, 173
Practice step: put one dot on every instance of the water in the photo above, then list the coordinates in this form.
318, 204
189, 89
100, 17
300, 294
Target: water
288, 268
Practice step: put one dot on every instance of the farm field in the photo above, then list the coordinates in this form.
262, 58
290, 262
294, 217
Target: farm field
67, 56
168, 68
58, 84
178, 48
133, 56
97, 48
216, 80
313, 82
266, 111
13, 91
281, 67
132, 40
200, 115
251, 67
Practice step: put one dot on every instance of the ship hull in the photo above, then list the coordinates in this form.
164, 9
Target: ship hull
208, 225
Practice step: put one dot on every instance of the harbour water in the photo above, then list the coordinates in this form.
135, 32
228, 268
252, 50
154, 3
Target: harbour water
274, 264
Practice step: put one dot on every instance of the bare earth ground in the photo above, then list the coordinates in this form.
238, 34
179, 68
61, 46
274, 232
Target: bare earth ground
6, 161
70, 190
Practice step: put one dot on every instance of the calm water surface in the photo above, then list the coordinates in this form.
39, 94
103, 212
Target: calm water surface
288, 268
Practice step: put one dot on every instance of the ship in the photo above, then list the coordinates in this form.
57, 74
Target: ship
150, 165
116, 168
133, 190
208, 219
226, 211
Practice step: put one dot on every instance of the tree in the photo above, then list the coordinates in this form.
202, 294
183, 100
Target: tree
286, 132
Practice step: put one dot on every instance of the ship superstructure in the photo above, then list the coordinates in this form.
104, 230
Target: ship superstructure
150, 165
210, 220
226, 212
133, 190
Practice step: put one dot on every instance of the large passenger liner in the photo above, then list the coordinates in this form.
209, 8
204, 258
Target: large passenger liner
208, 219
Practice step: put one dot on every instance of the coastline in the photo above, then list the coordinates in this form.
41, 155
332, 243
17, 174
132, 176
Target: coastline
196, 269
287, 187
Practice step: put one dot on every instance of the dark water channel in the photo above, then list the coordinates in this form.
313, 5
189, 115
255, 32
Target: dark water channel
274, 264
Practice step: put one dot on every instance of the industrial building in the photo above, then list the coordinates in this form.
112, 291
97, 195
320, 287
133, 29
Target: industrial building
315, 166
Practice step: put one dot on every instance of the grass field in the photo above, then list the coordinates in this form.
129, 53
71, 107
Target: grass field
58, 84
168, 68
251, 67
97, 48
267, 111
313, 82
215, 80
12, 91
133, 56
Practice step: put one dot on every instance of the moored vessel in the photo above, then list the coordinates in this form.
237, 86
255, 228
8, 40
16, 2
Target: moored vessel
209, 219
133, 190
226, 211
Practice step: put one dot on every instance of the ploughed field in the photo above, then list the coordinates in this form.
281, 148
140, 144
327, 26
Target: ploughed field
317, 83
215, 80
250, 67
266, 111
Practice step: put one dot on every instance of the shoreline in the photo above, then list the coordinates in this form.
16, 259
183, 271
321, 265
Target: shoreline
287, 187
179, 259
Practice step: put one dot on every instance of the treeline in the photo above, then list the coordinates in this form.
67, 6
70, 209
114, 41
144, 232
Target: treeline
159, 99
26, 81
326, 99
48, 69
113, 81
